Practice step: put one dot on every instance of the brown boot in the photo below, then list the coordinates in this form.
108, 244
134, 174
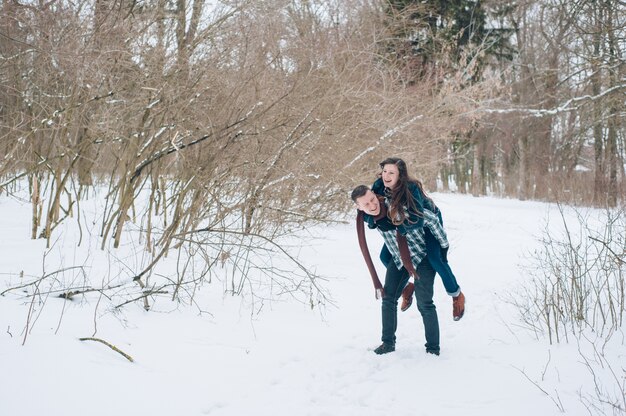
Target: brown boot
458, 306
407, 296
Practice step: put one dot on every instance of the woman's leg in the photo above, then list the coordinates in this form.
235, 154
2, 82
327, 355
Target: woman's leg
441, 266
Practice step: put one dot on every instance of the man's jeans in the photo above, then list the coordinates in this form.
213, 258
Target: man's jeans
395, 280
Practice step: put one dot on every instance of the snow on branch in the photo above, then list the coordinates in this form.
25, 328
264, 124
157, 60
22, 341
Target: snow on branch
277, 181
567, 106
385, 136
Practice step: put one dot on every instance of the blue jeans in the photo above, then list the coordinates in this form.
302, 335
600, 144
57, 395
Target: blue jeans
441, 266
395, 280
436, 259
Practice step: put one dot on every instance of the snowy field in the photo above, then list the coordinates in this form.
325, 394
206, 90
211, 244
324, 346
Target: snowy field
288, 359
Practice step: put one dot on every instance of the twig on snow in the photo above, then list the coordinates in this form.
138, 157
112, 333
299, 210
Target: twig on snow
113, 347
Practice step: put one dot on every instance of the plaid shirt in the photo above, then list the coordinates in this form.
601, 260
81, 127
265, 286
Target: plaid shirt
415, 241
431, 220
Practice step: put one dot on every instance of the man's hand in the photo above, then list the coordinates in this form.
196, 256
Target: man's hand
380, 293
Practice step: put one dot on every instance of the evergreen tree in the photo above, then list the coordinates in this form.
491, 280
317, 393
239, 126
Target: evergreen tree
440, 37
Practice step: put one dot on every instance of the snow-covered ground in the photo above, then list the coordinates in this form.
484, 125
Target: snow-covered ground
289, 359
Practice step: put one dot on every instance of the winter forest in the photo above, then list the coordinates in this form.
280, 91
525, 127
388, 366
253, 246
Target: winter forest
175, 145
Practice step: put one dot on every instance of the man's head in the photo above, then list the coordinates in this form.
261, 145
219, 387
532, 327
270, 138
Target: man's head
366, 200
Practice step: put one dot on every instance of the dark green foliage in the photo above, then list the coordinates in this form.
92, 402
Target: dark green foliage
445, 36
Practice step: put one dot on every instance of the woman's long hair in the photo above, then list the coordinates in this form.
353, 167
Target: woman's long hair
401, 196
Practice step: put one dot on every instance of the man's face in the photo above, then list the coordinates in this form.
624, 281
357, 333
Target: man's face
390, 175
368, 203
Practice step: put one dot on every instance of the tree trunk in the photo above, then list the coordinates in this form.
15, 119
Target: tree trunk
35, 193
612, 151
524, 180
476, 171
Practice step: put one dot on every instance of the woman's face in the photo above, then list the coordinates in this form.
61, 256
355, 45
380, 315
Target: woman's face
390, 175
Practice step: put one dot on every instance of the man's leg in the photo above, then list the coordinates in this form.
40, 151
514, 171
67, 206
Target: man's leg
394, 283
424, 297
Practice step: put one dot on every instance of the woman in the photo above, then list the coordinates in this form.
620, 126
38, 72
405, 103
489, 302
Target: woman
410, 208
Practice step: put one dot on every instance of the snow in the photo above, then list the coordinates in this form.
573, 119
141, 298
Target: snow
290, 359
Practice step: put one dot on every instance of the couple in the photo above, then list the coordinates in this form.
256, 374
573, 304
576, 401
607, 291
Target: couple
415, 249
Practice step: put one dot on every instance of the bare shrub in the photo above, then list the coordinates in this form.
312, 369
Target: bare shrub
208, 132
608, 393
575, 292
577, 278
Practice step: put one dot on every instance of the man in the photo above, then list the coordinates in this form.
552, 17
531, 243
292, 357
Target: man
407, 256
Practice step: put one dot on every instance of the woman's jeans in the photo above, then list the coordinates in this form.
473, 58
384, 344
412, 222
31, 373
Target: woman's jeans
395, 280
440, 264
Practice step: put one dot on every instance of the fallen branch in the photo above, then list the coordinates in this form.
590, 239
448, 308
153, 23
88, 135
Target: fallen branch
144, 296
36, 282
69, 294
113, 347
